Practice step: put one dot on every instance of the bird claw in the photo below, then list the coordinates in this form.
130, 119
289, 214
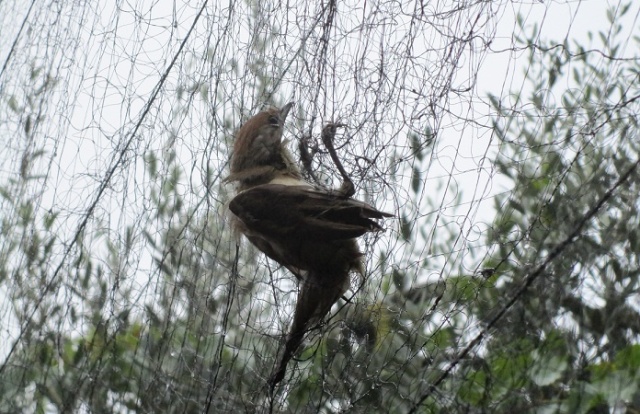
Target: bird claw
329, 130
347, 189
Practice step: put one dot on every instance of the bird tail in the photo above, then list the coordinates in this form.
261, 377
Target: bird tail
317, 294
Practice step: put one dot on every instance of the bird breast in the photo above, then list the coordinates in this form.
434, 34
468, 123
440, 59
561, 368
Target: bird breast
288, 180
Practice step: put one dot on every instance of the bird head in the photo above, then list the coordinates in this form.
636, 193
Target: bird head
259, 142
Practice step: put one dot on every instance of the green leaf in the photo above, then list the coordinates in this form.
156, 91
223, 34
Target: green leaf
13, 104
152, 164
398, 279
49, 219
553, 76
405, 228
629, 358
516, 206
547, 369
624, 9
416, 180
416, 146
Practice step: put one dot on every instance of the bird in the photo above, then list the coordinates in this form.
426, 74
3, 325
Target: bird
308, 230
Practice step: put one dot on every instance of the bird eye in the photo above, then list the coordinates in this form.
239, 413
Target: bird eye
274, 120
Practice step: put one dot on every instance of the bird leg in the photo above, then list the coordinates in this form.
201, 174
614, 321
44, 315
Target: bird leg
347, 189
306, 156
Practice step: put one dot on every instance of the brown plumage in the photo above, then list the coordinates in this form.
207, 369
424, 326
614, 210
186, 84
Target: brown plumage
309, 231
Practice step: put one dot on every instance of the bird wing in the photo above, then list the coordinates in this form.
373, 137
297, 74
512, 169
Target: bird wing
284, 210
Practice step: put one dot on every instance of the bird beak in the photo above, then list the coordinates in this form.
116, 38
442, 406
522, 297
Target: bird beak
285, 110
